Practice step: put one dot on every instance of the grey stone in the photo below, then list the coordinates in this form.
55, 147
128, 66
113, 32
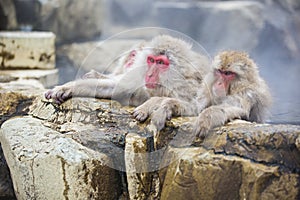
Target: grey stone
47, 165
27, 50
48, 78
70, 20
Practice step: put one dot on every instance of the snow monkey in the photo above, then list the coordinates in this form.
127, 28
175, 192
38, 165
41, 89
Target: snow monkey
124, 64
173, 77
165, 71
95, 84
234, 89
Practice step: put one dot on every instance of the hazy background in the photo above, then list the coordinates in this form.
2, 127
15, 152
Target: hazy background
269, 30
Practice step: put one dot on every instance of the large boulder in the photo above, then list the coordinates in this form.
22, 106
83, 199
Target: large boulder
84, 139
47, 165
16, 96
238, 161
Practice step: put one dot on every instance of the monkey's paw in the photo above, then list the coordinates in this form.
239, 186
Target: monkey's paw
140, 113
159, 117
59, 94
200, 128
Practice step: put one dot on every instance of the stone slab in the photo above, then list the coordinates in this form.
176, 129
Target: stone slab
27, 50
48, 77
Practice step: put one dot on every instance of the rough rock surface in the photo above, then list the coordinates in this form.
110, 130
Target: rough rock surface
201, 174
237, 161
47, 165
15, 98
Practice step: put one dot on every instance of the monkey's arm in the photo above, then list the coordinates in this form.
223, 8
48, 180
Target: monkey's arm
94, 74
100, 88
234, 107
162, 109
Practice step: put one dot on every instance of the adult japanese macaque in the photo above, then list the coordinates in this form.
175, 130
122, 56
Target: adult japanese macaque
173, 77
234, 90
95, 84
165, 69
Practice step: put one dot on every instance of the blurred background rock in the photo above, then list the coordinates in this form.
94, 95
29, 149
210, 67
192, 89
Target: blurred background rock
269, 30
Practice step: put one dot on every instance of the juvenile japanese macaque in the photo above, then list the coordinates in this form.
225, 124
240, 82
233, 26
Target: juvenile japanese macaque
234, 90
165, 69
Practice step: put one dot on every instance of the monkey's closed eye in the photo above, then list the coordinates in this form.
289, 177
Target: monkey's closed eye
227, 73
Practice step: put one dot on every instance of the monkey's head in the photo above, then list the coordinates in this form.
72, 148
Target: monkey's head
231, 68
165, 59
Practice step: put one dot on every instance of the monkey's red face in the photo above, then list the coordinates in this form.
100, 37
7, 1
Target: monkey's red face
130, 59
222, 82
155, 66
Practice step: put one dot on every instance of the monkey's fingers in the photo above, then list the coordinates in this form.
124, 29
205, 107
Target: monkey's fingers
199, 130
202, 134
58, 96
140, 115
159, 117
48, 94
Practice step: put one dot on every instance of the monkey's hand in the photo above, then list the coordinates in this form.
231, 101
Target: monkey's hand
59, 94
208, 119
142, 112
159, 116
200, 128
